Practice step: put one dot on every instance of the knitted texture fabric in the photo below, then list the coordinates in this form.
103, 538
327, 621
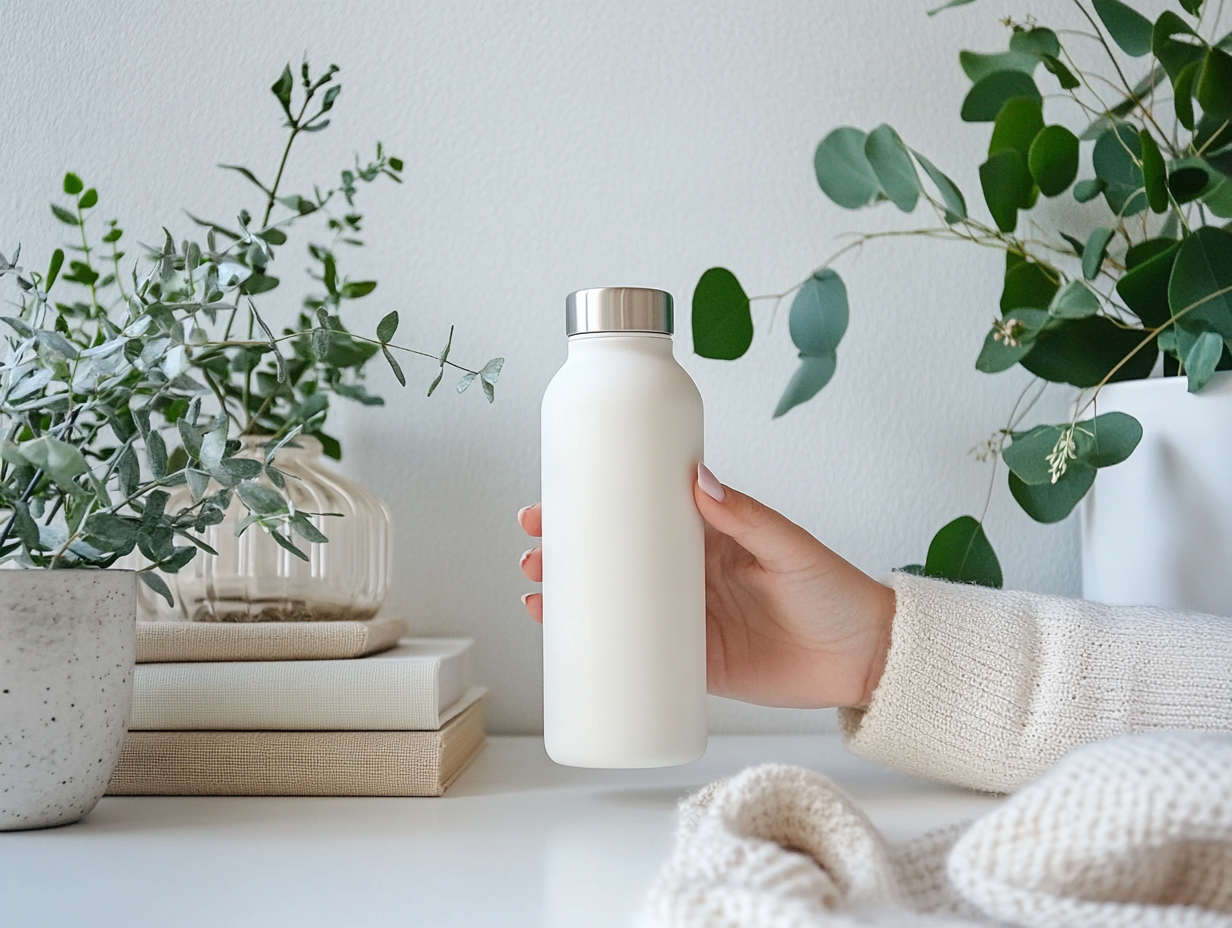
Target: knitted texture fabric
989, 690
1135, 831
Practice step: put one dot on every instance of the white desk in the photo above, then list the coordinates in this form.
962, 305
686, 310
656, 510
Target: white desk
517, 841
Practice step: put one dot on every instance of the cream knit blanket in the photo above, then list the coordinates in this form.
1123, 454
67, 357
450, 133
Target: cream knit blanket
990, 690
1135, 831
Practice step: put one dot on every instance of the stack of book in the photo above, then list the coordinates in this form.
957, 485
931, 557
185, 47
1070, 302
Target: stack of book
298, 709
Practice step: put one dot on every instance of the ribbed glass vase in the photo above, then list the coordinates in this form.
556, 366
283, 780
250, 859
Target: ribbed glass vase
253, 579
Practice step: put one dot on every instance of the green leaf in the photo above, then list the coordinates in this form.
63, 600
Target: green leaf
1115, 159
984, 101
1202, 358
997, 355
281, 89
977, 66
1065, 77
1087, 190
320, 344
891, 162
198, 484
843, 171
1174, 54
1052, 502
191, 438
813, 373
53, 270
1128, 28
1107, 440
395, 163
1182, 95
353, 290
156, 455
465, 381
286, 543
303, 527
961, 553
73, 184
1214, 86
722, 322
58, 459
1188, 183
112, 532
1094, 250
259, 499
1037, 41
488, 376
1144, 287
64, 215
1201, 278
1028, 284
395, 367
157, 584
819, 315
273, 235
951, 196
88, 199
1074, 301
1007, 185
1017, 125
247, 175
214, 446
1053, 160
1082, 352
1154, 173
388, 326
949, 5
258, 283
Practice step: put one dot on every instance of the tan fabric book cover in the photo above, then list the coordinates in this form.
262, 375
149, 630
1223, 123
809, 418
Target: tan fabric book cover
300, 763
173, 642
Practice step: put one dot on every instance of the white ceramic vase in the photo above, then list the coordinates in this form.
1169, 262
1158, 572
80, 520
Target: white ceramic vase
67, 648
1157, 529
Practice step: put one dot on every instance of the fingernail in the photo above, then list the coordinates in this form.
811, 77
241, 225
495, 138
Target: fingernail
525, 554
522, 512
525, 597
710, 483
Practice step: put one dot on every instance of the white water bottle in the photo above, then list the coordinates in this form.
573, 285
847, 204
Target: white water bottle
624, 598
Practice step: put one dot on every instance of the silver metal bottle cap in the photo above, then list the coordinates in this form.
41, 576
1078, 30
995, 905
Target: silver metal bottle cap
618, 309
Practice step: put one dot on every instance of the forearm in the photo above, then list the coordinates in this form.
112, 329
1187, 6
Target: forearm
988, 689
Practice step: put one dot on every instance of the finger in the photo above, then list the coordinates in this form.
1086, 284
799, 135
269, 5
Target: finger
532, 564
770, 537
534, 605
531, 520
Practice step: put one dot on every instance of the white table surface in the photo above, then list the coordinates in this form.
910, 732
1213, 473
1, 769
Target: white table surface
517, 841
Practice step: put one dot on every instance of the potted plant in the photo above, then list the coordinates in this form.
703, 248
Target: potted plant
124, 410
1147, 286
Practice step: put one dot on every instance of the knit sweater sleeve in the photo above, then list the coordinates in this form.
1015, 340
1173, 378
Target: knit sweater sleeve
988, 689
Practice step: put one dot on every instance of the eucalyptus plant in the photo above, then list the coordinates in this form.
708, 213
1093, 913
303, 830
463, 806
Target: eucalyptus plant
1084, 302
122, 389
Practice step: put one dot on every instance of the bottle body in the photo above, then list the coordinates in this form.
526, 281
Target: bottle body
624, 623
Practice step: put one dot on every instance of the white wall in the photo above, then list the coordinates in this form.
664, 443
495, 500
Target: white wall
557, 145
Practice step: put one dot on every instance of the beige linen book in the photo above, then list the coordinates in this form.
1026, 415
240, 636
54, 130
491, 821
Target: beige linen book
301, 763
403, 689
159, 642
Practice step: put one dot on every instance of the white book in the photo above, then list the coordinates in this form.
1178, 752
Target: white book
408, 688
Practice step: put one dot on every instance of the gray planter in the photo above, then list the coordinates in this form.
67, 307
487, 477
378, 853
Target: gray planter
67, 647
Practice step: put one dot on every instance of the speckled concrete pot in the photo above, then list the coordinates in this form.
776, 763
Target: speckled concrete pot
67, 647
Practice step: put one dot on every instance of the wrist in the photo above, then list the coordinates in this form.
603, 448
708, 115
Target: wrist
881, 608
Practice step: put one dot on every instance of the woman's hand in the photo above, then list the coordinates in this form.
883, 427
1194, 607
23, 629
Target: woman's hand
788, 621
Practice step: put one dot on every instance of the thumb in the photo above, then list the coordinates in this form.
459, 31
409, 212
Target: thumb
773, 539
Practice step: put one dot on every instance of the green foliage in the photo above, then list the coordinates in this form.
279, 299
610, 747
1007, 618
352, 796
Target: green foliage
1149, 272
144, 377
961, 553
722, 322
818, 322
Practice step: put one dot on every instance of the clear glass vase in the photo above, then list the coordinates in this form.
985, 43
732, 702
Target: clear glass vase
253, 579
